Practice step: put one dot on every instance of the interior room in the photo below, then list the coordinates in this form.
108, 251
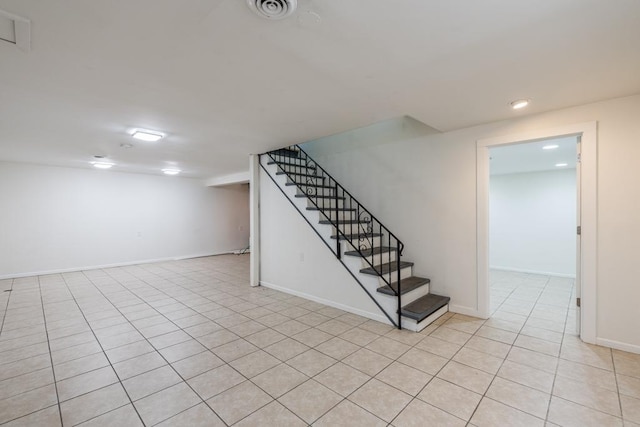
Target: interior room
319, 212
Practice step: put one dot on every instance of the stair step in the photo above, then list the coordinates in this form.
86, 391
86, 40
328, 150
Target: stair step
386, 268
424, 306
345, 221
356, 236
301, 174
285, 152
311, 185
320, 197
313, 208
368, 252
408, 284
287, 163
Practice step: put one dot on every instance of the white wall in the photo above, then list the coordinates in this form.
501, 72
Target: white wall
55, 218
424, 188
533, 222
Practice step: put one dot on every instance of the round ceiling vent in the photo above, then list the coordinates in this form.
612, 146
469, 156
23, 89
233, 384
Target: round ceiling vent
273, 9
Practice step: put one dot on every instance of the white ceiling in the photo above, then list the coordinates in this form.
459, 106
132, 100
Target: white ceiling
223, 83
531, 157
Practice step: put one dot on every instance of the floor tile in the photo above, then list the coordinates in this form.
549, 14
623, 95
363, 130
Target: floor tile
90, 405
311, 362
234, 350
405, 378
166, 403
465, 376
26, 382
526, 375
49, 417
215, 381
380, 399
588, 395
438, 347
348, 414
424, 361
123, 416
197, 364
310, 400
197, 416
150, 382
565, 413
273, 414
518, 396
418, 414
342, 379
239, 402
26, 403
450, 398
138, 365
337, 348
367, 361
84, 383
492, 413
280, 380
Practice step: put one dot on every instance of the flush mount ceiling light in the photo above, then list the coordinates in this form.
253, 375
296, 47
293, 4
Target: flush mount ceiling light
147, 135
273, 9
102, 165
519, 104
550, 147
561, 165
171, 171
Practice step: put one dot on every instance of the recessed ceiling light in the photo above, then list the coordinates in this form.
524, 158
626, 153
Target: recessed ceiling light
171, 171
550, 147
102, 165
147, 135
561, 165
520, 103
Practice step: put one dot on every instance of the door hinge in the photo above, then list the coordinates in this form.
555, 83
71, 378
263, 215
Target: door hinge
579, 230
578, 302
579, 157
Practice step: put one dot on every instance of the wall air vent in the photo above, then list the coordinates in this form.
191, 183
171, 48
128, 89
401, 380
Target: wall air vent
273, 9
15, 30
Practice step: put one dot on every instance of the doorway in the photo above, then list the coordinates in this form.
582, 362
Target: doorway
532, 236
518, 259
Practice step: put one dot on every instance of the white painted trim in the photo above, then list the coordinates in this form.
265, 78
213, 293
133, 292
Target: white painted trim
542, 273
467, 311
588, 210
631, 348
117, 264
378, 317
254, 221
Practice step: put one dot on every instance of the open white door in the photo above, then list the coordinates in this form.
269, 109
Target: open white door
578, 240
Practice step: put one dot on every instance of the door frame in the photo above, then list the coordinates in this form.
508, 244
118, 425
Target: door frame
587, 208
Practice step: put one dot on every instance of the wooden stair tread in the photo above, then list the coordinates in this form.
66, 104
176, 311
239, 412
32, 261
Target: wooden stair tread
356, 236
408, 285
301, 174
386, 268
311, 185
319, 197
314, 208
368, 252
424, 306
345, 221
284, 152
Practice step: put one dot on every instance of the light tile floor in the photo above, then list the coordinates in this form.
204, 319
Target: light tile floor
189, 343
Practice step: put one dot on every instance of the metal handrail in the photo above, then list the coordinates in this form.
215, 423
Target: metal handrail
302, 167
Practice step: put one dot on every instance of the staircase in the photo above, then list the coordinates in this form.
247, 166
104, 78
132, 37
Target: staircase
365, 247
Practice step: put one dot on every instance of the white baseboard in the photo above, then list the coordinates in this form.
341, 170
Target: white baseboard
631, 348
542, 273
118, 264
368, 315
467, 311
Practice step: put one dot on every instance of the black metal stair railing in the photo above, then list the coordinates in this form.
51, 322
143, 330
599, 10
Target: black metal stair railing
353, 223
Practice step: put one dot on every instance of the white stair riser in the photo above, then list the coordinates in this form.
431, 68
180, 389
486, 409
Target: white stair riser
366, 243
409, 297
412, 325
305, 180
324, 203
353, 228
405, 273
311, 191
297, 169
340, 214
379, 259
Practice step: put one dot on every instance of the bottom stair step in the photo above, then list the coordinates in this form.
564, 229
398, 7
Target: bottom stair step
423, 307
408, 284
